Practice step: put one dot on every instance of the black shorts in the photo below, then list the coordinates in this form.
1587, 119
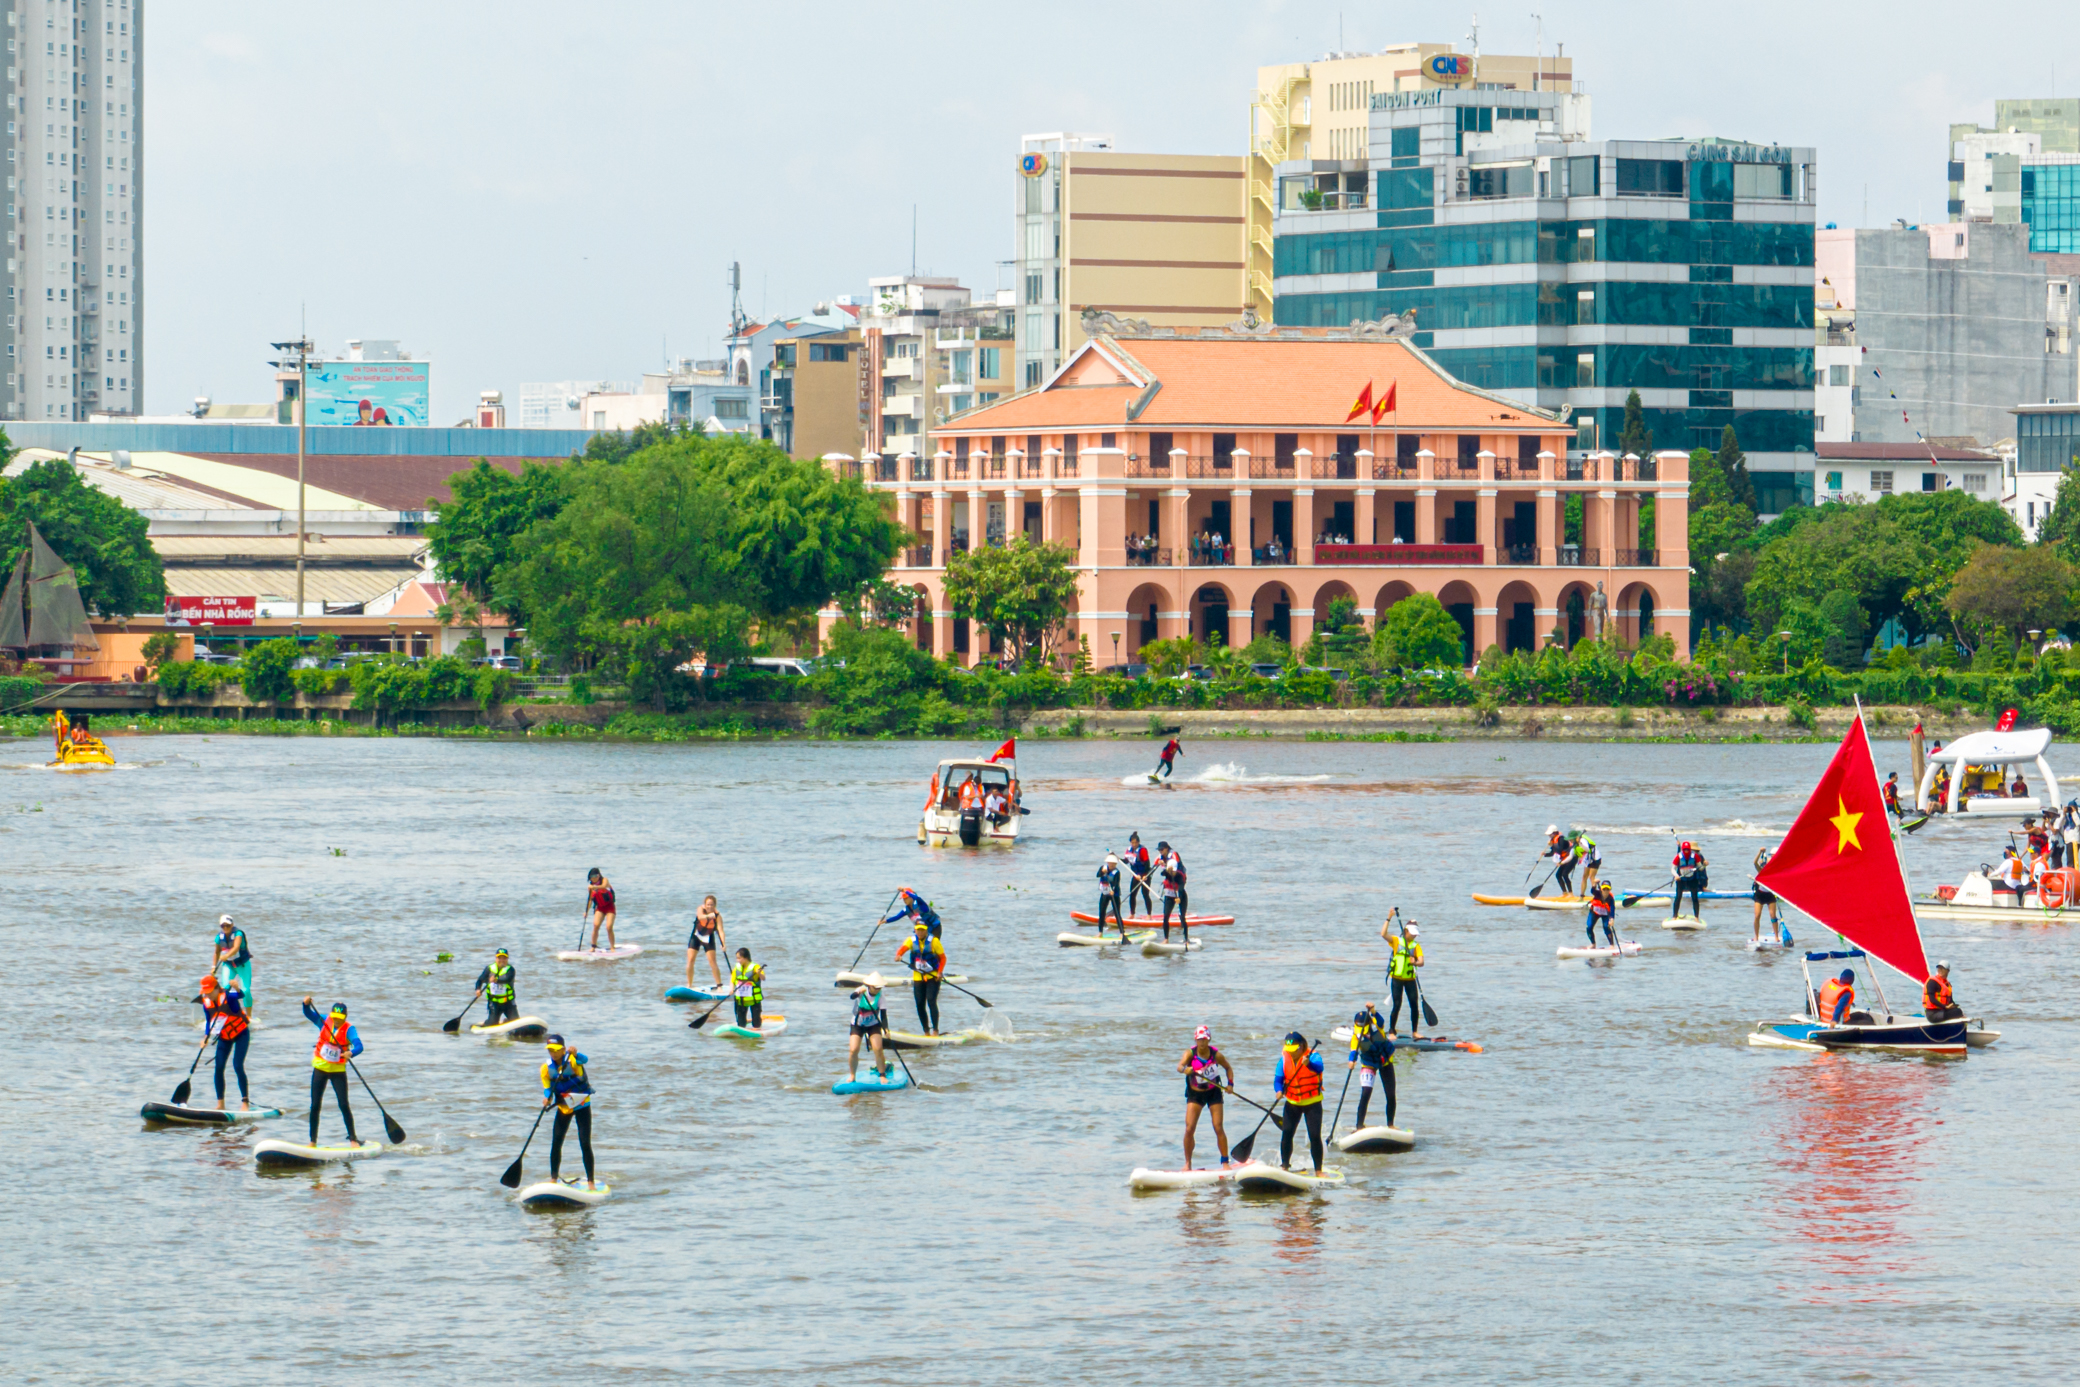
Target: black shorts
1205, 1097
701, 940
863, 1028
1763, 897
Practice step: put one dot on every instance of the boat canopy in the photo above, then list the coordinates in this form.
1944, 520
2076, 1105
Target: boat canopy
1995, 748
960, 768
1990, 749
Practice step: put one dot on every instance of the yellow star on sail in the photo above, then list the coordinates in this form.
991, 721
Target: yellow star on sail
1845, 824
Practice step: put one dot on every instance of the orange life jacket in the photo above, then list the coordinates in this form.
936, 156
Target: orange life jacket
330, 1053
1832, 993
1303, 1083
1939, 995
971, 795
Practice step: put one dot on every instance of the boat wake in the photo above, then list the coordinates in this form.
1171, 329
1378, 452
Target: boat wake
1229, 773
1732, 828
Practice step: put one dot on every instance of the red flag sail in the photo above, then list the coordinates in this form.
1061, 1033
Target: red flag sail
1839, 866
1006, 752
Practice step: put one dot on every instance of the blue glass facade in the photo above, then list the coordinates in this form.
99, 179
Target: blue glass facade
2048, 441
2051, 206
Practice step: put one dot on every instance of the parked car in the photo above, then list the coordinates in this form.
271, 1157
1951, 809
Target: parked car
787, 666
1341, 676
1199, 672
1267, 669
205, 656
1133, 669
511, 662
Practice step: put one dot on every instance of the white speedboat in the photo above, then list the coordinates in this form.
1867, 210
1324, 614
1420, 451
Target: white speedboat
944, 824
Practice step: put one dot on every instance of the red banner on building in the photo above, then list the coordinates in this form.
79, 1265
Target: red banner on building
212, 611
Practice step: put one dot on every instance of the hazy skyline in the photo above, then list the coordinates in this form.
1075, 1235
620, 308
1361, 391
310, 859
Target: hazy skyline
519, 197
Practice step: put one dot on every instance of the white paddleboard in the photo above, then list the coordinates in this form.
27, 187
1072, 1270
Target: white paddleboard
921, 1040
204, 1117
1097, 941
556, 1194
1372, 1141
1143, 1178
1556, 903
859, 979
290, 1155
1628, 947
1157, 946
520, 1028
599, 955
1260, 1178
1768, 941
1689, 924
769, 1025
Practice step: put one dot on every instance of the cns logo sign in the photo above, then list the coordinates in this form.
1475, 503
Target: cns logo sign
1032, 165
1449, 67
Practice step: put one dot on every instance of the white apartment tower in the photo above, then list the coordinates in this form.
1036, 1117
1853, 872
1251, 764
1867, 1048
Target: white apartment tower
75, 160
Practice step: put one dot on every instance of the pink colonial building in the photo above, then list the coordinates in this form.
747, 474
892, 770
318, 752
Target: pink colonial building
1207, 481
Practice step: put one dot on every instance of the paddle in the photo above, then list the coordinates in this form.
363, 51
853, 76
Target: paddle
1339, 1101
958, 988
187, 1085
1543, 880
1429, 1016
453, 1026
390, 1127
1241, 1149
886, 1049
1633, 898
699, 1021
511, 1179
584, 918
878, 923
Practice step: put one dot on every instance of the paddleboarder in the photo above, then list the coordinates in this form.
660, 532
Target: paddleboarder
1174, 892
909, 903
1603, 910
1892, 804
1591, 860
232, 962
496, 983
706, 938
1560, 848
1405, 956
1297, 1078
338, 1042
600, 895
1372, 1047
747, 990
869, 1022
1108, 895
1690, 876
566, 1085
1170, 752
1202, 1067
224, 1012
1763, 896
1138, 867
927, 959
1938, 1003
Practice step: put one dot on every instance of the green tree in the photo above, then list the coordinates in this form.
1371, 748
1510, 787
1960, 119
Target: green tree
877, 681
2010, 592
1418, 633
1020, 593
1635, 437
107, 544
2061, 528
1848, 628
1720, 525
264, 671
1733, 468
159, 647
1170, 657
477, 531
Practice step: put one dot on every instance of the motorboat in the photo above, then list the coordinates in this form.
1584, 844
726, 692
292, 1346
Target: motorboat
2053, 899
77, 748
1979, 785
944, 823
1874, 1029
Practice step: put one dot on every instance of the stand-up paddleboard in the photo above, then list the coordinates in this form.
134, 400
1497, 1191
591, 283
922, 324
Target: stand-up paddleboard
170, 1113
1259, 1178
1099, 941
1375, 1141
620, 951
917, 1040
1157, 946
1143, 1178
1428, 1042
1768, 942
1701, 895
1556, 902
558, 1194
694, 994
1689, 924
769, 1025
1626, 947
1479, 899
873, 1083
519, 1028
850, 979
1085, 917
296, 1155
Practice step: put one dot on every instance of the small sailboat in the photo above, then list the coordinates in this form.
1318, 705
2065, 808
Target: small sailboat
957, 807
43, 620
1840, 865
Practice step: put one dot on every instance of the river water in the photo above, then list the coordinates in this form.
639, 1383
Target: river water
1618, 1190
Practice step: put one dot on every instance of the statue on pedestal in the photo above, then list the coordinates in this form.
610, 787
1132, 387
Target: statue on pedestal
1599, 613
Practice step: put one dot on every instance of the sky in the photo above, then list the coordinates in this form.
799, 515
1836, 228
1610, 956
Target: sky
527, 191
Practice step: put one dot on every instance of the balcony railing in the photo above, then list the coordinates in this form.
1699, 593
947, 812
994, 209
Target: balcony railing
1507, 468
1366, 555
957, 470
1148, 558
1576, 556
1636, 558
1522, 553
1581, 470
920, 557
1202, 555
1645, 469
920, 469
1395, 469
885, 469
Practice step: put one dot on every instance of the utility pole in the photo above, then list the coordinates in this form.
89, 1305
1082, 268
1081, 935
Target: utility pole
1539, 47
302, 347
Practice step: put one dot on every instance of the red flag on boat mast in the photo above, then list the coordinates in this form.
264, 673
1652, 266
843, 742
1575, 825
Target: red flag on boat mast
1838, 863
1006, 752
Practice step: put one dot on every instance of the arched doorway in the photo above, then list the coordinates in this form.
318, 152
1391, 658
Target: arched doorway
1144, 611
1516, 614
1271, 611
1210, 614
1458, 599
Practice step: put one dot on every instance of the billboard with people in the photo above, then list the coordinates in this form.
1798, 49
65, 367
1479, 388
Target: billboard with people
369, 393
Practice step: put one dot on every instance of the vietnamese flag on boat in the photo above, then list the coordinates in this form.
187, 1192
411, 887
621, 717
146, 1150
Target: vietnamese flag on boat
1006, 752
1363, 404
1839, 866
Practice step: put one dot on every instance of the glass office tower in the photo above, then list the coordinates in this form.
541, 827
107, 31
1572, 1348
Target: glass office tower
1566, 272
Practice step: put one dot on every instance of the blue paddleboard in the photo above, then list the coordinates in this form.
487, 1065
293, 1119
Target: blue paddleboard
693, 994
871, 1084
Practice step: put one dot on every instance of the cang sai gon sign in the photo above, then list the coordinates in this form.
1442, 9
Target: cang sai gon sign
212, 611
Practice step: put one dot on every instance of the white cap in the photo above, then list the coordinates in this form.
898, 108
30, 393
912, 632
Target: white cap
1943, 963
1411, 931
1552, 828
1111, 859
223, 919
